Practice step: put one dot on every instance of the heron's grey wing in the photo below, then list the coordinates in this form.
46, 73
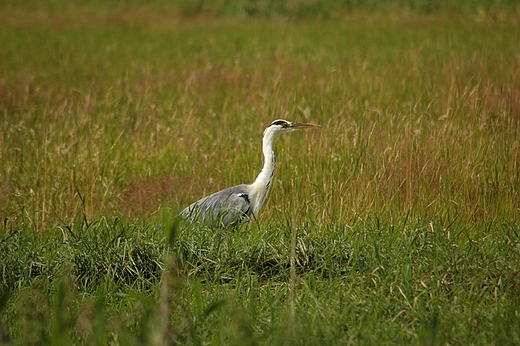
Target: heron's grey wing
229, 206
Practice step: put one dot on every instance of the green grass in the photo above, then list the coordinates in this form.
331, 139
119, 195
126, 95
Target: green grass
397, 222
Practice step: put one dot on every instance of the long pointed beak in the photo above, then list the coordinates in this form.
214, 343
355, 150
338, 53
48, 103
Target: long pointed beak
302, 126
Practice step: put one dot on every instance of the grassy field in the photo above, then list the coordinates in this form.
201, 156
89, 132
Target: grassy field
397, 222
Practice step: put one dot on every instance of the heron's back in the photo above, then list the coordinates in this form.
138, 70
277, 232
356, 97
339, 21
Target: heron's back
223, 208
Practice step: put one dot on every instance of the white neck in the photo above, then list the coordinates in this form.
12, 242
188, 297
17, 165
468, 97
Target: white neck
263, 181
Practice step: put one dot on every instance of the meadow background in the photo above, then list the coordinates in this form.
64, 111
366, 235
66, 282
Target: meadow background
397, 222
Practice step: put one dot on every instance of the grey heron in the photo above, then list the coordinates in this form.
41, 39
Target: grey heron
241, 203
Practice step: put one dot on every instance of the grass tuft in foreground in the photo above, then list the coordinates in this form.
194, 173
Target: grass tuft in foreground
416, 281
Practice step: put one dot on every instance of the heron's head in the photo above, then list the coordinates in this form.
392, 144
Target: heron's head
281, 125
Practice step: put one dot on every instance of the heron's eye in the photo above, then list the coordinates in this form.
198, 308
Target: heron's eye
282, 123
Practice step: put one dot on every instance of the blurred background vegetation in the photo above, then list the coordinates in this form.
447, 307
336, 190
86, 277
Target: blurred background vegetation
396, 223
291, 9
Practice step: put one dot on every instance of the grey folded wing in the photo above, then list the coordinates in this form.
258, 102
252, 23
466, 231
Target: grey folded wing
227, 207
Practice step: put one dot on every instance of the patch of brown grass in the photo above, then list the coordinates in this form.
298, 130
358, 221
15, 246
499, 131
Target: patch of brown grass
146, 195
504, 96
87, 16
